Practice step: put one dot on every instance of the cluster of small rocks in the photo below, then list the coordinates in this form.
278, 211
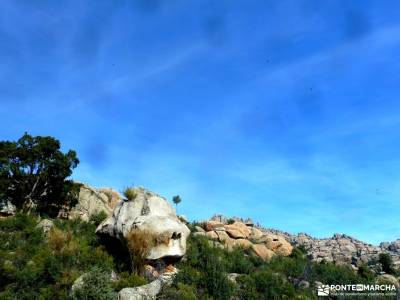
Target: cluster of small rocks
235, 232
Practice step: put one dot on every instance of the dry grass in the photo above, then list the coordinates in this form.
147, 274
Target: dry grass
130, 193
139, 244
62, 241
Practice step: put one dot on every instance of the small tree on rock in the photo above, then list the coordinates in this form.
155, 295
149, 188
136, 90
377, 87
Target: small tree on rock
176, 199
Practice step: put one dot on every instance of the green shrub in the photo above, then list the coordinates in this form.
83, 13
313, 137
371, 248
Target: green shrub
96, 219
188, 275
387, 263
206, 269
273, 286
294, 266
328, 273
366, 273
96, 286
38, 266
237, 262
265, 285
230, 221
128, 280
180, 292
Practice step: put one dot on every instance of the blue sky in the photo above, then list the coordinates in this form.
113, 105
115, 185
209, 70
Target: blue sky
283, 111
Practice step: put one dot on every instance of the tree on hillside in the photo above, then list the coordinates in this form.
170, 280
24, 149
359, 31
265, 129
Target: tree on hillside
176, 199
387, 263
34, 172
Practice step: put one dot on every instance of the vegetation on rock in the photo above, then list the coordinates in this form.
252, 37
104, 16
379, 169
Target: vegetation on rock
139, 244
176, 199
130, 193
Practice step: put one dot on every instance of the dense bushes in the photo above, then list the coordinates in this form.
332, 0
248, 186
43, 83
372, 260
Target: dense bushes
38, 266
127, 279
387, 264
96, 219
96, 285
205, 269
203, 274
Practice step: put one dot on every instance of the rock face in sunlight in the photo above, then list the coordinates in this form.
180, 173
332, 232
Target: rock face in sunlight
148, 212
339, 249
243, 233
344, 249
92, 201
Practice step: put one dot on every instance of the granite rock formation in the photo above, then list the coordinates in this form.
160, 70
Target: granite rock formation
150, 213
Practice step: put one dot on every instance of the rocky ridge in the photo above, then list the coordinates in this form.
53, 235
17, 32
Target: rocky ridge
238, 233
339, 249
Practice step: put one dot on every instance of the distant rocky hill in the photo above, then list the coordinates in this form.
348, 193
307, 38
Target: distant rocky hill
340, 248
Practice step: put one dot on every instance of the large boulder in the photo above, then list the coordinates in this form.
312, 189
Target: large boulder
224, 238
278, 244
212, 234
263, 252
92, 201
213, 225
148, 213
238, 230
243, 243
255, 234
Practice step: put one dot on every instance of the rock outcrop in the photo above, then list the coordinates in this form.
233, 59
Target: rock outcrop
243, 234
344, 249
391, 247
339, 249
152, 214
92, 201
